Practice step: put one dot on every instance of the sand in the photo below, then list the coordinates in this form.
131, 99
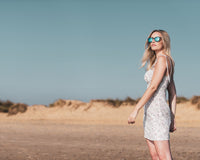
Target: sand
85, 132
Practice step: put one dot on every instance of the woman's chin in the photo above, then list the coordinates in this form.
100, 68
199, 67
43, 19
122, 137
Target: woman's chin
155, 49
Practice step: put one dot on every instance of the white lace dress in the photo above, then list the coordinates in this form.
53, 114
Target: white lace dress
157, 114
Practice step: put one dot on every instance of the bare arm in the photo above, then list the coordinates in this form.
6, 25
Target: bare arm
159, 72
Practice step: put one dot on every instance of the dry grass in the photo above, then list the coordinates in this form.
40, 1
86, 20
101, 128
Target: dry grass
4, 106
59, 102
198, 106
181, 99
195, 99
12, 108
117, 102
16, 108
70, 103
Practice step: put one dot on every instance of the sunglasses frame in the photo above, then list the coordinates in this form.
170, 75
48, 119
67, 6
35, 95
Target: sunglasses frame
156, 39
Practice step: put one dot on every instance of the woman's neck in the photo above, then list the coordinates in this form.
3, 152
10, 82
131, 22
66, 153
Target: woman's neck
159, 52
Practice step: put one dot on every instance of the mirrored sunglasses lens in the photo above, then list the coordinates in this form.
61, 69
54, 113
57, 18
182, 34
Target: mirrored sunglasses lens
157, 39
150, 40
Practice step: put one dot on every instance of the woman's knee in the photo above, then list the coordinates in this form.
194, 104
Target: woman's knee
154, 156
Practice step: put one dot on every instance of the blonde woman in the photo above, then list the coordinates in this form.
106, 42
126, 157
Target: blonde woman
159, 117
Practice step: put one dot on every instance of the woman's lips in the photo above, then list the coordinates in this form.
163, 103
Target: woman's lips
153, 45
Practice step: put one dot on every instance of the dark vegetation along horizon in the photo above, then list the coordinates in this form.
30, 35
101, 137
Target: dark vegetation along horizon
13, 108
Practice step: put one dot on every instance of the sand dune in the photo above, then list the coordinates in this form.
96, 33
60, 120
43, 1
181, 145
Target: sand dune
74, 130
77, 112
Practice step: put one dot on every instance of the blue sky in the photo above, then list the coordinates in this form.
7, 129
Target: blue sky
91, 49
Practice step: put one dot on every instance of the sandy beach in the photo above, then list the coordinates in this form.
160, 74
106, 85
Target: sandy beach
82, 131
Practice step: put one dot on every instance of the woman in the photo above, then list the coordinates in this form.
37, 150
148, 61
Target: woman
159, 117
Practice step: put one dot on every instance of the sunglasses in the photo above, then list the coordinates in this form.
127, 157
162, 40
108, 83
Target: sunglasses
157, 39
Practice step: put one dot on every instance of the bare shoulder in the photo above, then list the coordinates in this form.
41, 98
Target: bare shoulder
161, 61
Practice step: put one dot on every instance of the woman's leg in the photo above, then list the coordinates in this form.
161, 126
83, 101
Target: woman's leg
163, 149
152, 149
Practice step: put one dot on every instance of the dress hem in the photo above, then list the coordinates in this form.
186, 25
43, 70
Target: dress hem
157, 139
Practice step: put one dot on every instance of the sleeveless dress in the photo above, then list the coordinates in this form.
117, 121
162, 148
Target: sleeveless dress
157, 114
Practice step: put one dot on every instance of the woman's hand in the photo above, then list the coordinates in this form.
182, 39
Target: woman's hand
132, 117
173, 126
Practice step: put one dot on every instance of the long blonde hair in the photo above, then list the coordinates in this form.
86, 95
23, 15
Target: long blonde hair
149, 56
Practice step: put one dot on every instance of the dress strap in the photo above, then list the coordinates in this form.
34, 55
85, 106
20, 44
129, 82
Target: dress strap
169, 73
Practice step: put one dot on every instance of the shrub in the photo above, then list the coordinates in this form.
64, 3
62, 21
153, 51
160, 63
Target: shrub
118, 102
59, 102
4, 109
181, 99
195, 99
130, 101
115, 103
4, 106
16, 108
137, 100
198, 106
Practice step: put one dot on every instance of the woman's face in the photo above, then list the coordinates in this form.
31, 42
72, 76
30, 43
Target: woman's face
156, 46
